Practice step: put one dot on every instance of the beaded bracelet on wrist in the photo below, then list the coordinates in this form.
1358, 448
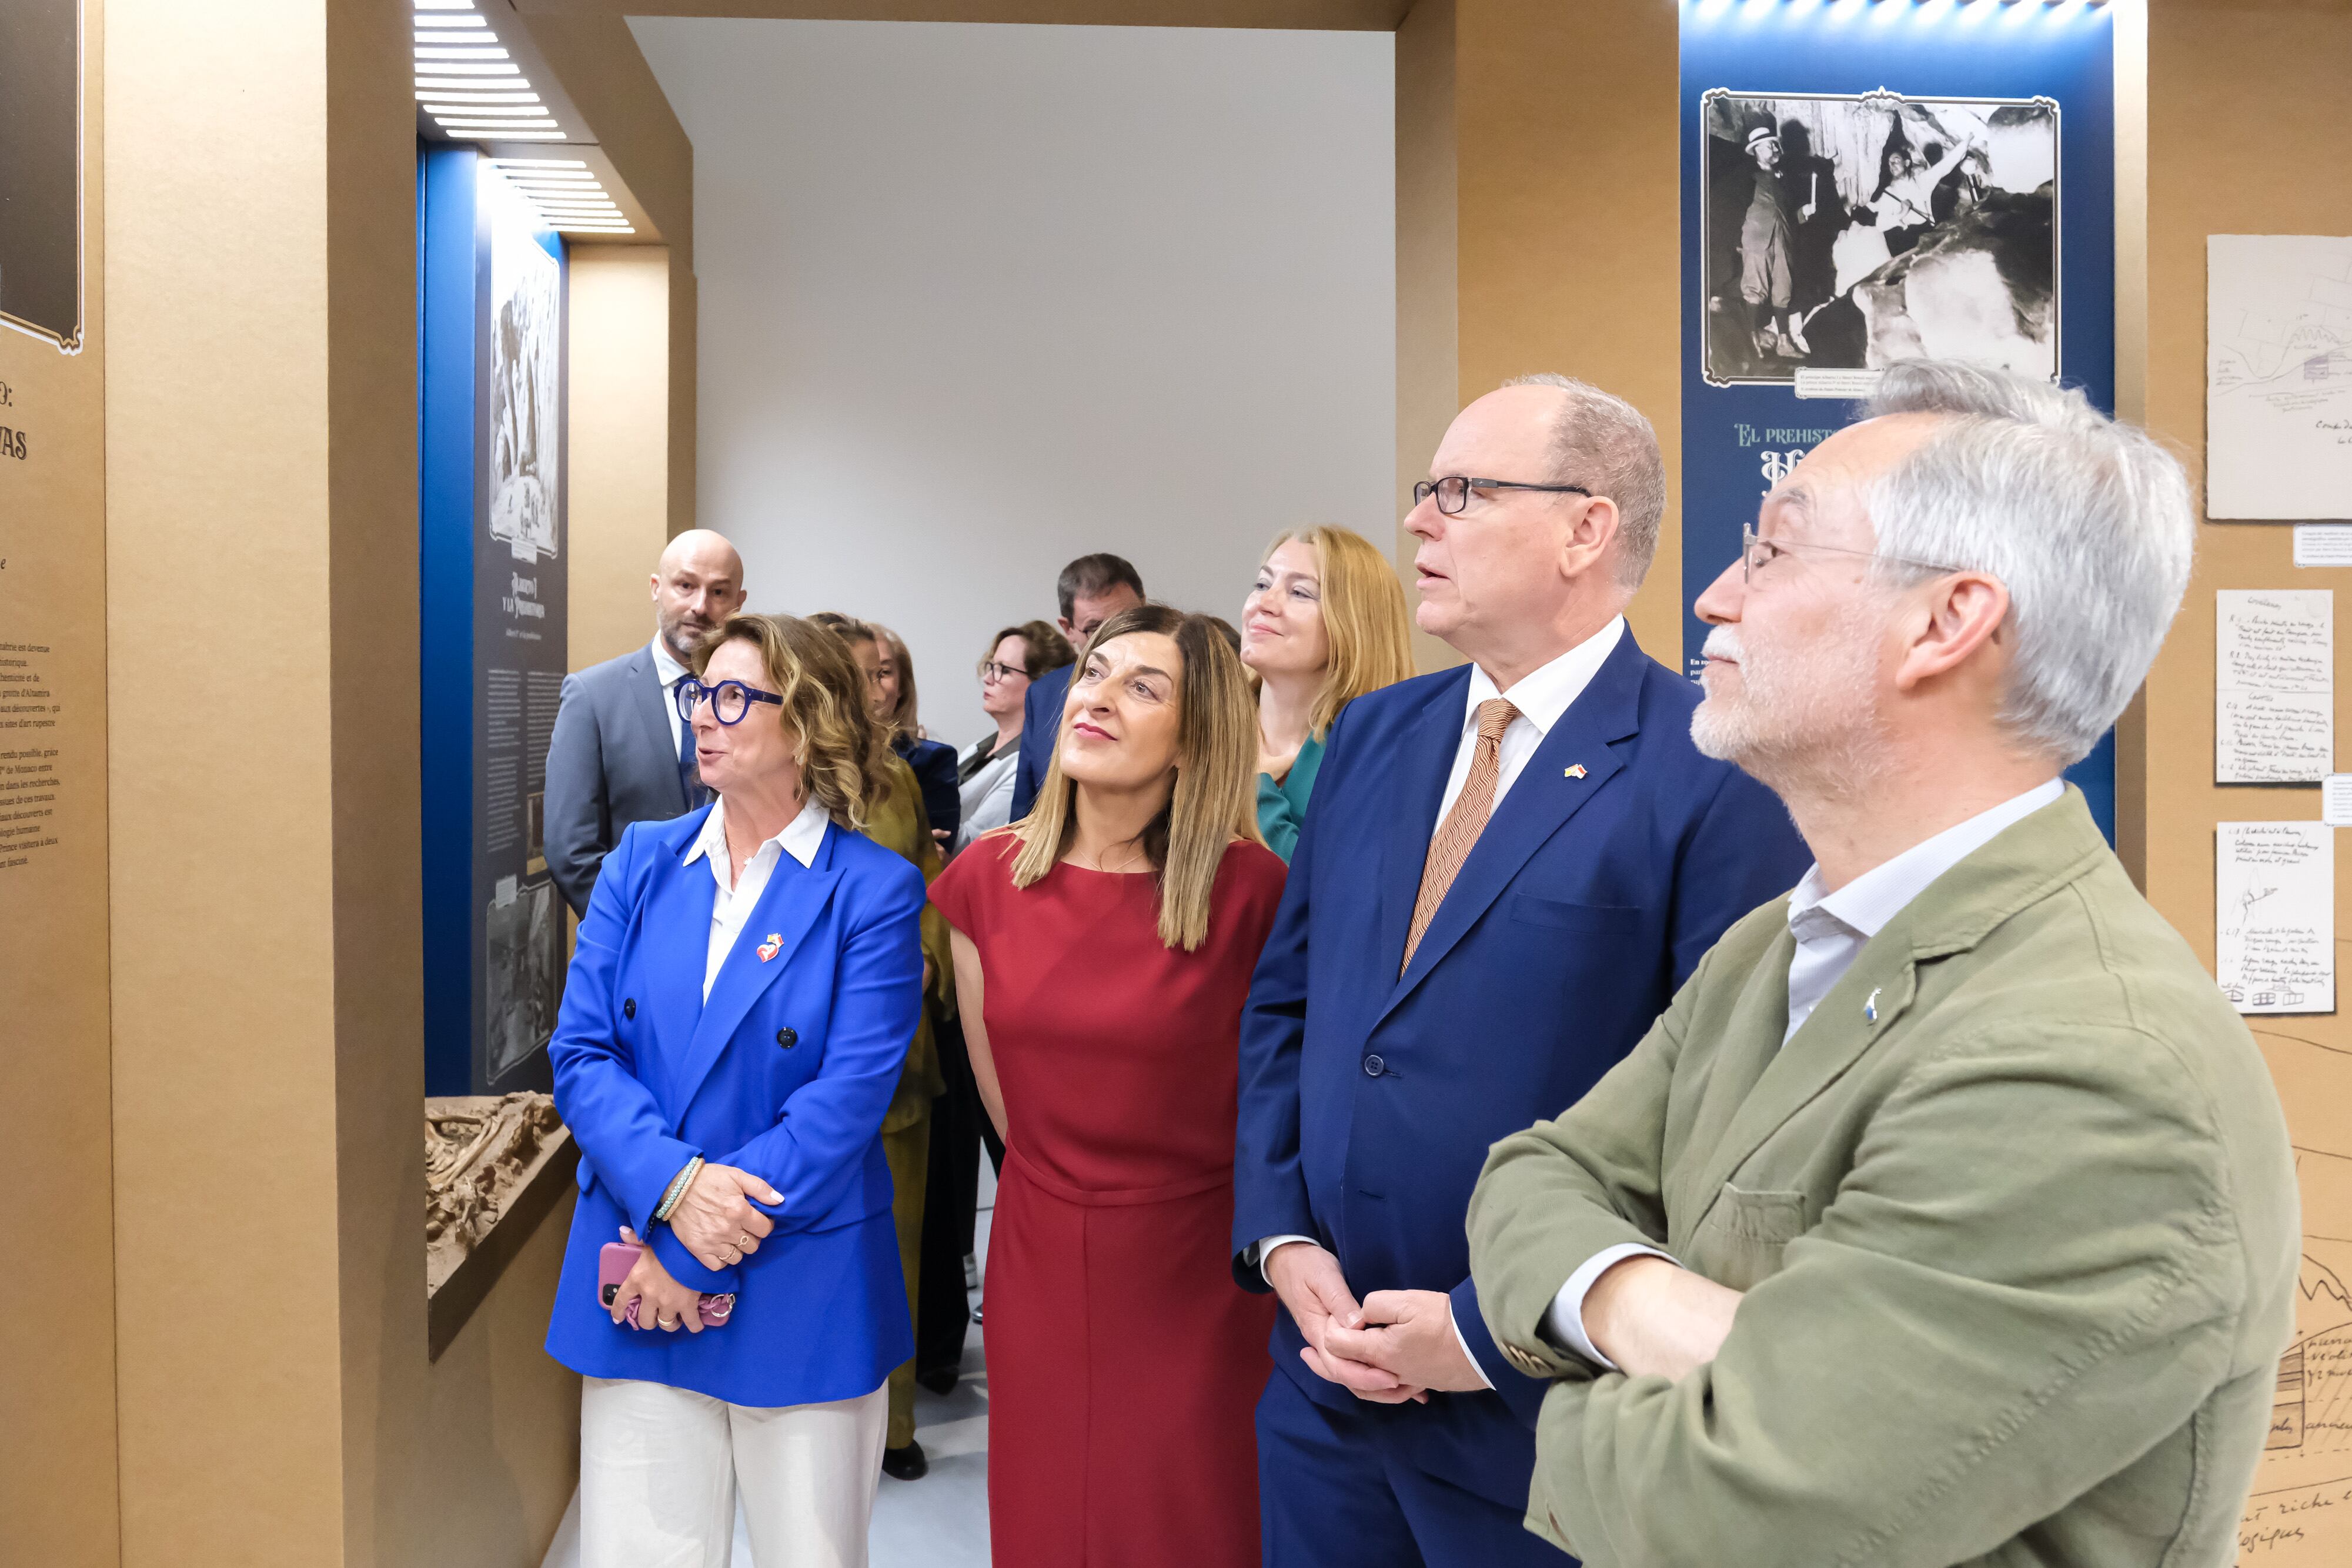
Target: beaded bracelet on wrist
676, 1190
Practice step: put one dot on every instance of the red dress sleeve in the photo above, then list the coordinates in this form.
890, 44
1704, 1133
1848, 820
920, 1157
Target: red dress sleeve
965, 892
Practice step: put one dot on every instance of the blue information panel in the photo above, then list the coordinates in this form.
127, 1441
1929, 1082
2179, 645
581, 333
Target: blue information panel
493, 546
1870, 180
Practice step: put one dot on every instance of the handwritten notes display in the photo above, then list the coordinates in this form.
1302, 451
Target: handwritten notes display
2278, 376
2274, 686
2274, 915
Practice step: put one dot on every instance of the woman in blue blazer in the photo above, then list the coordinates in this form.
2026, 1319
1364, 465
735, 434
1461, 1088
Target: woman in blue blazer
746, 983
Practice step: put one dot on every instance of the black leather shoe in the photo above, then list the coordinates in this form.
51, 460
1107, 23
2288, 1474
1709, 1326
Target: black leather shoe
906, 1464
939, 1380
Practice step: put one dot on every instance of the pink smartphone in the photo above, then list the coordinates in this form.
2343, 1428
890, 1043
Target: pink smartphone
613, 1266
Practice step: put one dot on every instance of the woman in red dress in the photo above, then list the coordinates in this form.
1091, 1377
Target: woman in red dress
1103, 950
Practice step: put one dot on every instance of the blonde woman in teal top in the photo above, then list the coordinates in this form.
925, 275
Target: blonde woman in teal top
1325, 623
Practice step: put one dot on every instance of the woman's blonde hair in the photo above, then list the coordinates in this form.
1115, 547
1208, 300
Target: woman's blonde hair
1215, 798
1364, 616
837, 746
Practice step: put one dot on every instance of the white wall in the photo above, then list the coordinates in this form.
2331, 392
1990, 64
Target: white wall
977, 298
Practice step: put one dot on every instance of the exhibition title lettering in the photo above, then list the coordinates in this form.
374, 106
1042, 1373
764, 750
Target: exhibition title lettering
1778, 456
12, 440
523, 598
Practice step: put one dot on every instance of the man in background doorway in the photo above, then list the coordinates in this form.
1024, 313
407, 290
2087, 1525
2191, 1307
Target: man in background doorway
1092, 589
620, 753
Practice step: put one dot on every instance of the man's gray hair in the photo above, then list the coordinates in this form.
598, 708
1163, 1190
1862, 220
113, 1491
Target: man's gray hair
1602, 443
2088, 523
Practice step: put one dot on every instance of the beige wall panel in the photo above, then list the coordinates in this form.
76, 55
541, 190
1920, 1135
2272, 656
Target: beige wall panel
2243, 97
684, 320
227, 1251
1428, 338
1569, 224
618, 477
504, 1419
58, 1494
261, 522
372, 636
2240, 94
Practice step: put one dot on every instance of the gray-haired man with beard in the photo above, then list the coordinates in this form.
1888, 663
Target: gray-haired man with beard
1948, 1215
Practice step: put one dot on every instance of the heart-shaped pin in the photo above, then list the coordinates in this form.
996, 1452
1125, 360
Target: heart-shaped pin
771, 946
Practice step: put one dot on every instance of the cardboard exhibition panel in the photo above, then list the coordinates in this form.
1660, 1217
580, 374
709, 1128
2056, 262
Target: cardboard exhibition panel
57, 1498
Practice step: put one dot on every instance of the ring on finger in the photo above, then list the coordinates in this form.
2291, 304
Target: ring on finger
666, 1323
742, 1240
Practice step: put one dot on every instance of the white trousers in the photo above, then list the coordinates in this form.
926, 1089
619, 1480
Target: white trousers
659, 1468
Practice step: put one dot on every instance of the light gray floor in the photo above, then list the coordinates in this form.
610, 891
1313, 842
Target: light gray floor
939, 1521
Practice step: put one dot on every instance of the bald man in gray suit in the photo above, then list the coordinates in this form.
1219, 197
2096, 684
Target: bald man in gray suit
620, 753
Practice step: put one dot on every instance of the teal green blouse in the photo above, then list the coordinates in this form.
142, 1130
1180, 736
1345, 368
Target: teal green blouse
1281, 808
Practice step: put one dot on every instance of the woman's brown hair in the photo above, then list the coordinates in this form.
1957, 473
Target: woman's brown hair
839, 747
1215, 798
904, 718
1364, 616
1048, 649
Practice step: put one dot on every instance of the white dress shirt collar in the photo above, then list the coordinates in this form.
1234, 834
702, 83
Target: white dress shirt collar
1541, 697
1544, 694
732, 904
801, 838
1832, 927
666, 664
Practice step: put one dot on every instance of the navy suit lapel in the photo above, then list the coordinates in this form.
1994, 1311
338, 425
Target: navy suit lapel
1423, 759
645, 699
1545, 795
794, 897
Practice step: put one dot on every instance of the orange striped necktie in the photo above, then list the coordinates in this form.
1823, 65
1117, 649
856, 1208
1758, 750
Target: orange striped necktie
1458, 834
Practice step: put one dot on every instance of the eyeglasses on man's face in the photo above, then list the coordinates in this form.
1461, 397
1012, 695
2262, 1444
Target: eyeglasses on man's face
730, 700
1452, 492
1757, 553
992, 673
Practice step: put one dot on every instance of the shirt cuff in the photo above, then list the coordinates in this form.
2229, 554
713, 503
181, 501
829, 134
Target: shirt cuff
1483, 1381
1564, 1322
1265, 1251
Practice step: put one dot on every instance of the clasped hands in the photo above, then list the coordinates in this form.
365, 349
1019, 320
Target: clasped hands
715, 1221
1394, 1346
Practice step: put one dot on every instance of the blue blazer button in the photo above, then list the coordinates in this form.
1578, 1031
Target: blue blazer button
788, 1038
629, 1008
1374, 1066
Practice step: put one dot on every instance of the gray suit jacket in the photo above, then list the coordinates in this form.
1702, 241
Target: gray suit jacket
609, 763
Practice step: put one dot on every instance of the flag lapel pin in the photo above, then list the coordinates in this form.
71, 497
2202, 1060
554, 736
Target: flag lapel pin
771, 946
1573, 770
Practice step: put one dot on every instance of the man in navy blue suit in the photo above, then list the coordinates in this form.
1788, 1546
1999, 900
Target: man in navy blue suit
1507, 871
1092, 589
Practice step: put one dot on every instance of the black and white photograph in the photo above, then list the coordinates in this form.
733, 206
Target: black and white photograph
40, 169
523, 963
526, 334
1847, 232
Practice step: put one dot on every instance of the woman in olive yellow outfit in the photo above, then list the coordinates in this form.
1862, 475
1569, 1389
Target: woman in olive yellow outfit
895, 819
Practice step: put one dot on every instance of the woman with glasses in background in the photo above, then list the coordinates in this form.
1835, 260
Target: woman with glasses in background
1324, 623
984, 770
746, 979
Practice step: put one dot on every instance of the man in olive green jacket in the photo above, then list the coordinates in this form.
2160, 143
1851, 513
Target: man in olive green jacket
1948, 1215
